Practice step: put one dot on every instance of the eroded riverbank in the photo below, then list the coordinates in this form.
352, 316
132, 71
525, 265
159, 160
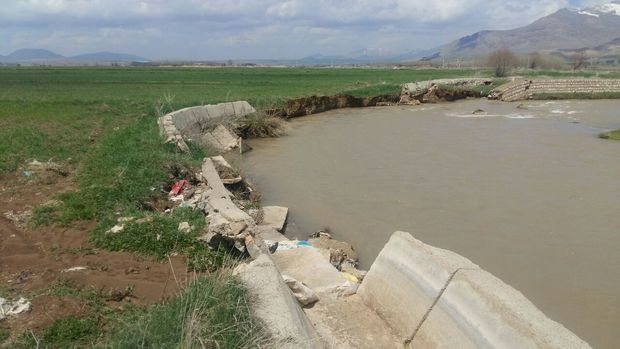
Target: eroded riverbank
528, 193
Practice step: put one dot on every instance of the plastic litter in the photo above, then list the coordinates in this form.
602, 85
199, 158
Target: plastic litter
8, 308
178, 186
293, 244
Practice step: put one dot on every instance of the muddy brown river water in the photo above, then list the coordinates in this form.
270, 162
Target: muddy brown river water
531, 195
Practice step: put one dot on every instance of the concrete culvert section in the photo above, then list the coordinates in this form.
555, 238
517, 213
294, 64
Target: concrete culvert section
205, 125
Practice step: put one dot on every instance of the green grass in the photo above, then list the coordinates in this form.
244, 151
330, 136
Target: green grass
4, 334
577, 95
614, 74
212, 312
159, 237
613, 135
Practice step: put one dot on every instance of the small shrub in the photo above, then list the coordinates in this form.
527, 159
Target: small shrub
260, 126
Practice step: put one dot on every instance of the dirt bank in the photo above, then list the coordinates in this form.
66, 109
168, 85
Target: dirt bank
318, 104
34, 260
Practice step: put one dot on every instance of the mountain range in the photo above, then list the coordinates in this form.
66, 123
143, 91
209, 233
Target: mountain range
566, 29
33, 55
593, 31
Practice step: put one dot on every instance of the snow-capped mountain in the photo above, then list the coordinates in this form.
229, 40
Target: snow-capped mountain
613, 8
566, 29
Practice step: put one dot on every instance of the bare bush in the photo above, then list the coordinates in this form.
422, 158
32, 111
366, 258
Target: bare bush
502, 60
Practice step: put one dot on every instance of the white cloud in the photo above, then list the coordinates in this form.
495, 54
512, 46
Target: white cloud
255, 28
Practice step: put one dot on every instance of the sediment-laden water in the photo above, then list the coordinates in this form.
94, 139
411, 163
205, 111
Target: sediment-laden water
527, 192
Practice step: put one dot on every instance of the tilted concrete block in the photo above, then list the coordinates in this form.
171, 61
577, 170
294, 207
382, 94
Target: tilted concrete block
276, 307
478, 310
406, 278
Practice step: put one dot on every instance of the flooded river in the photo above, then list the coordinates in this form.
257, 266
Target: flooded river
527, 192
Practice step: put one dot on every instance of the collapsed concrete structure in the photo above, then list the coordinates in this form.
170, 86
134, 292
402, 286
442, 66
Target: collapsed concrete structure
205, 125
308, 294
526, 88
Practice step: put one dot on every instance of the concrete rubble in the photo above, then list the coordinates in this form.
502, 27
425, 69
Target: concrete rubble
274, 217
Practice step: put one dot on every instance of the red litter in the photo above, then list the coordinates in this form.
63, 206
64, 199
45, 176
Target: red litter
178, 186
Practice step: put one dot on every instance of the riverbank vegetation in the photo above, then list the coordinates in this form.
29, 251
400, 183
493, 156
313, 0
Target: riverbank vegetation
614, 135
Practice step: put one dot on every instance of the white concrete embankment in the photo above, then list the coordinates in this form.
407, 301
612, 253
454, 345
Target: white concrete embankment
524, 89
204, 124
438, 299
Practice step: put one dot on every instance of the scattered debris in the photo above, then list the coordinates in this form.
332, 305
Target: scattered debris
184, 227
178, 187
117, 295
292, 244
339, 251
68, 270
323, 233
227, 173
115, 229
8, 308
303, 293
19, 218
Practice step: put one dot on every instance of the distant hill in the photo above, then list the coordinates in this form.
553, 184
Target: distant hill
108, 57
30, 54
608, 52
33, 55
566, 29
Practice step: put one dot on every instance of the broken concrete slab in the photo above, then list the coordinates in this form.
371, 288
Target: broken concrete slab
225, 218
304, 294
276, 307
221, 139
406, 279
227, 173
269, 234
195, 121
274, 217
435, 298
307, 265
478, 310
349, 323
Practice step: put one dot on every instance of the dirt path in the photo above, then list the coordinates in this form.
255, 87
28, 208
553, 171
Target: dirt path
34, 259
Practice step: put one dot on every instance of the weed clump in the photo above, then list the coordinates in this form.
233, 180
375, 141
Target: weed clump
212, 312
260, 125
614, 135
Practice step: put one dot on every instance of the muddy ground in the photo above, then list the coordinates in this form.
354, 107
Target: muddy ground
32, 259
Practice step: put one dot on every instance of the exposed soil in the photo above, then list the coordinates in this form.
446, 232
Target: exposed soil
319, 104
33, 258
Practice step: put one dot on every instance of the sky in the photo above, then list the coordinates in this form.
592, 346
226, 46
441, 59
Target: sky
256, 29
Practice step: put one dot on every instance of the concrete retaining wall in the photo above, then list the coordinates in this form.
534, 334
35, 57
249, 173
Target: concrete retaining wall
194, 122
438, 299
524, 89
